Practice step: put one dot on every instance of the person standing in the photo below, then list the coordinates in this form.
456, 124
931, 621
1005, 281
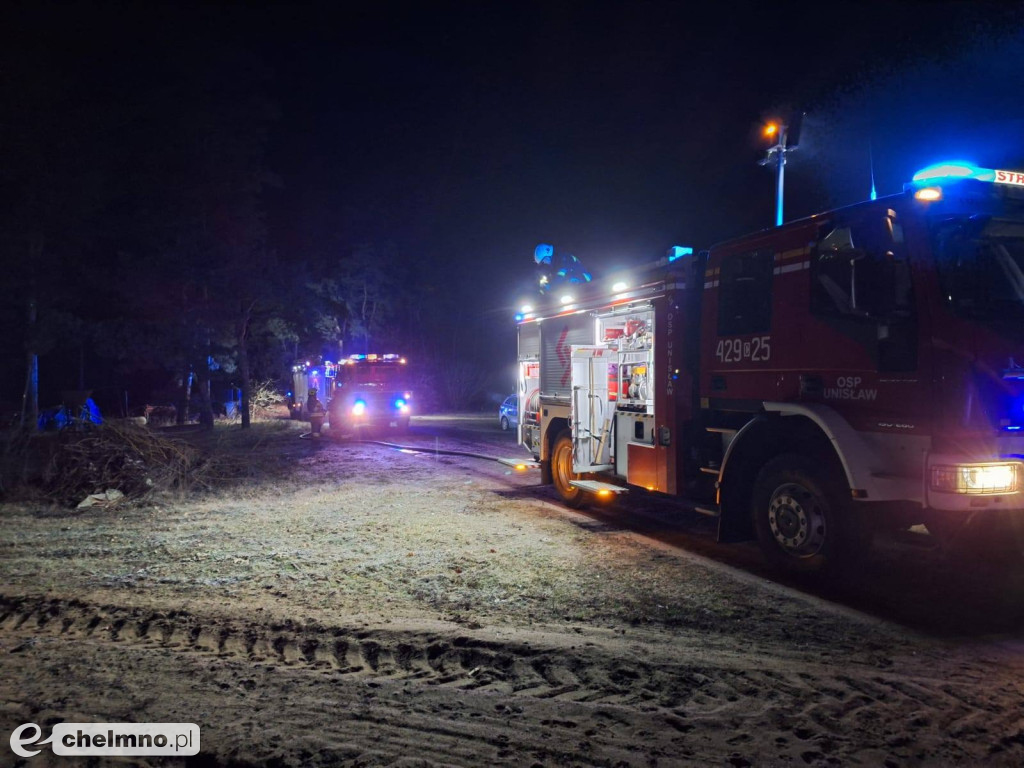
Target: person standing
316, 412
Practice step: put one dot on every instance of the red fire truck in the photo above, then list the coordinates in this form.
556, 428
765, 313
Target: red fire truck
318, 374
807, 385
369, 390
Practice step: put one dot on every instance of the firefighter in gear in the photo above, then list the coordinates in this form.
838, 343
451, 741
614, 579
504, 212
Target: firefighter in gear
316, 412
558, 268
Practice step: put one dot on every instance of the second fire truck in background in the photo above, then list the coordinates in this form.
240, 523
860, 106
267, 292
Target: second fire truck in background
358, 391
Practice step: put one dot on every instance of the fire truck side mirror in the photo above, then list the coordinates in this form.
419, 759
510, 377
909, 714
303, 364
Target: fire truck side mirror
838, 240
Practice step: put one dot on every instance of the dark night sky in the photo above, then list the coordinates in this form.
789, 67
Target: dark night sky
469, 132
612, 129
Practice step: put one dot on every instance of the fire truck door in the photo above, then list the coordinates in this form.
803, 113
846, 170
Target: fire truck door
592, 413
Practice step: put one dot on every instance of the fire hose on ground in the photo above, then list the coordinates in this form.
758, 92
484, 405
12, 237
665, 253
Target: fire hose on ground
437, 451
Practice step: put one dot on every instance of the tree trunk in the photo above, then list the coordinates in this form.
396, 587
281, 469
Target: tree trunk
201, 368
185, 396
243, 362
206, 404
30, 396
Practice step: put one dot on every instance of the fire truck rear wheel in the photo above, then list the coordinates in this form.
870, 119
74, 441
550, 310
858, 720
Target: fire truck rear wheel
562, 474
799, 515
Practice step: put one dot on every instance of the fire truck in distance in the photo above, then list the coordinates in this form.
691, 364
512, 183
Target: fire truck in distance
359, 391
807, 385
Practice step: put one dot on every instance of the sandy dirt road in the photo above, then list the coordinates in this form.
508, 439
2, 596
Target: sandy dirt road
367, 606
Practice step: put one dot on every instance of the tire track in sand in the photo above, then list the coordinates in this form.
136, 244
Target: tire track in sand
822, 707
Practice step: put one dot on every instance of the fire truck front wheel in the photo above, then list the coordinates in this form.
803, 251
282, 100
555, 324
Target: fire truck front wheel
799, 515
562, 474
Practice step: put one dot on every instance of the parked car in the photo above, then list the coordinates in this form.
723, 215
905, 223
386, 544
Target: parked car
508, 413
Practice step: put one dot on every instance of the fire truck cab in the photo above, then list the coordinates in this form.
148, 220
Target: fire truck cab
359, 391
370, 391
809, 384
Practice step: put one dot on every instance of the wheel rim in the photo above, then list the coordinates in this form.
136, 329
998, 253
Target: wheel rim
504, 423
797, 520
563, 469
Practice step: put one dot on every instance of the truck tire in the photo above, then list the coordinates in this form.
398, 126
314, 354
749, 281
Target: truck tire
561, 472
802, 516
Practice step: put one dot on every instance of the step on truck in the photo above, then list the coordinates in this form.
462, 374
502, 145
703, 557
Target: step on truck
808, 385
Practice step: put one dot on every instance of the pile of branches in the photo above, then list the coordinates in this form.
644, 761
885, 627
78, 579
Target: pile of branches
123, 457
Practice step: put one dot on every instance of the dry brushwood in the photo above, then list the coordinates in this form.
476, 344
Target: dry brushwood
125, 457
263, 400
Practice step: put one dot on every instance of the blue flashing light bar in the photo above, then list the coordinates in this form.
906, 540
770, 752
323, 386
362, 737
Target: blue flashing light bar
677, 252
950, 170
377, 358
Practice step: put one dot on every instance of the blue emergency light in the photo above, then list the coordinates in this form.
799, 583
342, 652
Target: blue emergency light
956, 169
677, 252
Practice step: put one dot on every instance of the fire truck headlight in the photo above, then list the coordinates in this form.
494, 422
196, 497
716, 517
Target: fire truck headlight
977, 478
359, 408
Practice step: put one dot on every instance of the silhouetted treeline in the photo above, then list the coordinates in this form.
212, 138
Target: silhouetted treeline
138, 260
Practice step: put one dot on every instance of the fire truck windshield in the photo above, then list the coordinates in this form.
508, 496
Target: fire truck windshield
372, 375
980, 261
